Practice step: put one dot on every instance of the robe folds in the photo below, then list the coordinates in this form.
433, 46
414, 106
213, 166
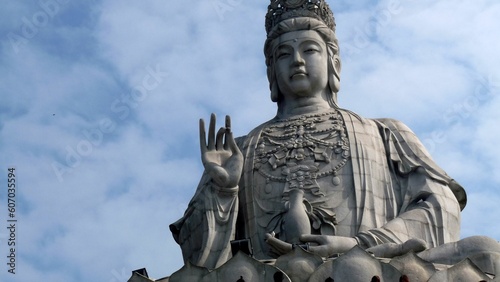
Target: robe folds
397, 192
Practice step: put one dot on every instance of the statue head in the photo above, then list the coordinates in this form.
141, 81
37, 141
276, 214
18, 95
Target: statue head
286, 16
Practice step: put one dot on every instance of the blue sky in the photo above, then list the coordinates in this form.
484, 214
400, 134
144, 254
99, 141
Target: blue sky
101, 101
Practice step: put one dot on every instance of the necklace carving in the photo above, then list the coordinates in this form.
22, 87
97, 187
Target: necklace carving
299, 151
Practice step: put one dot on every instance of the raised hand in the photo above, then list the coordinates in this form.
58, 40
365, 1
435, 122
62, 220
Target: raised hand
221, 157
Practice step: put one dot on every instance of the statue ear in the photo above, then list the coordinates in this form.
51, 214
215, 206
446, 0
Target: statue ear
273, 84
274, 91
334, 66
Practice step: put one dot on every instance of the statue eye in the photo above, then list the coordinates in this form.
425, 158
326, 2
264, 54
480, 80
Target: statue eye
282, 54
311, 50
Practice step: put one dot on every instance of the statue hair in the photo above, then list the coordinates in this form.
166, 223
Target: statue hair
328, 35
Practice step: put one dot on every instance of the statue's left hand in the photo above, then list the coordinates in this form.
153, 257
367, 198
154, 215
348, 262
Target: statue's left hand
328, 245
390, 250
277, 246
322, 245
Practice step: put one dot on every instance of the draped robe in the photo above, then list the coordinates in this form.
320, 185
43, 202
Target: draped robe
394, 191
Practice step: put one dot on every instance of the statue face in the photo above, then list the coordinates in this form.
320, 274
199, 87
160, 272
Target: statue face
301, 64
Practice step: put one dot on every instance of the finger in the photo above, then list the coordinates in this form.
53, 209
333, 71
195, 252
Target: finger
271, 240
211, 133
308, 238
227, 137
278, 245
377, 251
220, 135
228, 123
203, 137
319, 250
386, 250
415, 245
231, 143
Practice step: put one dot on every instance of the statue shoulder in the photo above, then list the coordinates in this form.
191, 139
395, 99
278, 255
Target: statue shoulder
397, 126
401, 133
403, 140
412, 148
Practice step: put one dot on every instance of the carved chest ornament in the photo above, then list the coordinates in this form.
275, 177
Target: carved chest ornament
299, 151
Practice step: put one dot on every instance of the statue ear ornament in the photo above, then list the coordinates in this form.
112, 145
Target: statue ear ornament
334, 66
274, 92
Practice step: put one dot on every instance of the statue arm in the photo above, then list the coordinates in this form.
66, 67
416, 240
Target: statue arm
205, 231
208, 225
429, 207
431, 214
428, 218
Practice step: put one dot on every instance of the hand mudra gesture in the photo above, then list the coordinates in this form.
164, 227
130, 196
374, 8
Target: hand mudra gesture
221, 157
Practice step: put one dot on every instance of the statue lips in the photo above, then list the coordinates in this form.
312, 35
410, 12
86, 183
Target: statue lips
298, 74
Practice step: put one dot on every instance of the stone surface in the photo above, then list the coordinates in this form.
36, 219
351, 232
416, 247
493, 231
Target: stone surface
140, 275
356, 266
189, 272
298, 264
464, 271
323, 177
242, 268
415, 268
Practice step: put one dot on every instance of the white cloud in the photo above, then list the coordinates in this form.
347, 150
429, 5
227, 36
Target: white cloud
426, 64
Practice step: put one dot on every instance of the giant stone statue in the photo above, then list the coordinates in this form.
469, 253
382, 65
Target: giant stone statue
317, 176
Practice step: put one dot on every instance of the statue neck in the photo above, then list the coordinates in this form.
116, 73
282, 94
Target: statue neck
301, 106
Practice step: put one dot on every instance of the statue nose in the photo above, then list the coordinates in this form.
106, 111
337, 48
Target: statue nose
297, 59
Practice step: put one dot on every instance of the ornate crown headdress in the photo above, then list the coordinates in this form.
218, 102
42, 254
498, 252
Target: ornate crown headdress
280, 10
